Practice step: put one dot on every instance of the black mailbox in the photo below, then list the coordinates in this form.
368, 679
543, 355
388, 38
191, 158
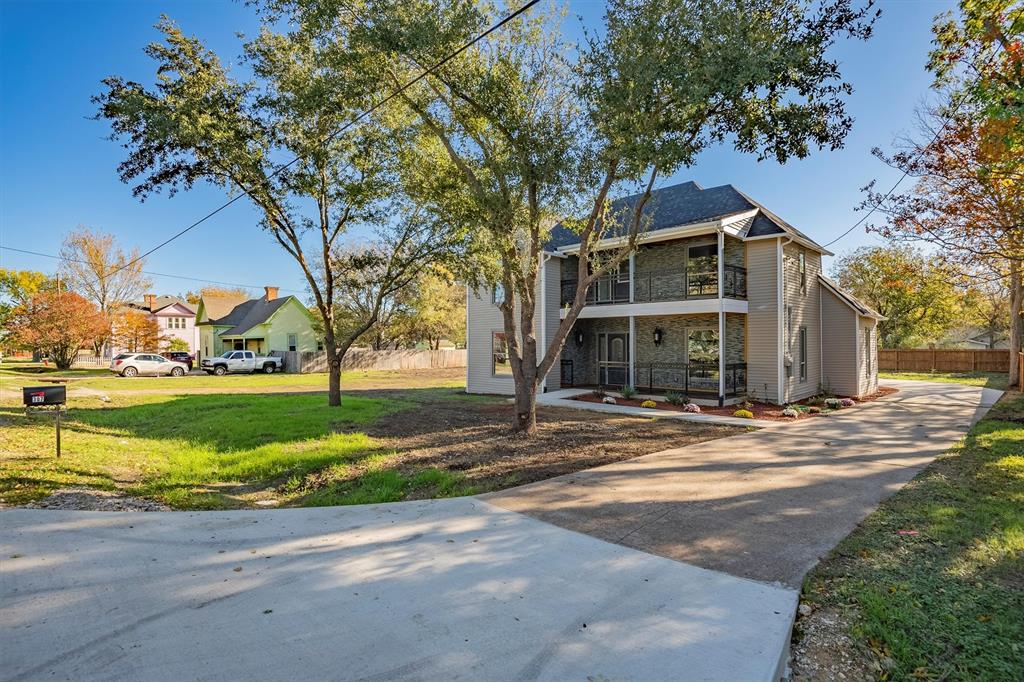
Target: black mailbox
44, 395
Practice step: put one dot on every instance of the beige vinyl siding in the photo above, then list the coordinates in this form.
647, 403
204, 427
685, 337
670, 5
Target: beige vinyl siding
762, 319
839, 348
552, 275
867, 372
484, 318
805, 313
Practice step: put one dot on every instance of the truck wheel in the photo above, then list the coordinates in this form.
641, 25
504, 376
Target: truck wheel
130, 372
268, 369
220, 370
177, 372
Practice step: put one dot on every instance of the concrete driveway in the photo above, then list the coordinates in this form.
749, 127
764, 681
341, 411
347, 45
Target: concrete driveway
763, 505
440, 590
463, 589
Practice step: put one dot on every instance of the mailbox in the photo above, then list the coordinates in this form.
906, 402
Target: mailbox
34, 396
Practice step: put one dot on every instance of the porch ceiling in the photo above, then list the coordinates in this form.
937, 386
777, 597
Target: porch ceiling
689, 307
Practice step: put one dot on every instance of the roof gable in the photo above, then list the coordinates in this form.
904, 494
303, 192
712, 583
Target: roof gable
849, 299
249, 314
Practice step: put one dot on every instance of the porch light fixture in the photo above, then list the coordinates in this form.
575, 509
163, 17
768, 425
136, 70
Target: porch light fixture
579, 337
657, 336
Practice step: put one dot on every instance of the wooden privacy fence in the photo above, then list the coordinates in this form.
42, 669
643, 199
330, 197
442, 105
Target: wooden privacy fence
943, 360
296, 362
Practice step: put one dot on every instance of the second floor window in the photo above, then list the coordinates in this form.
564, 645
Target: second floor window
802, 265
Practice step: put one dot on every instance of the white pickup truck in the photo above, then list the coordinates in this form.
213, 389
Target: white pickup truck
237, 361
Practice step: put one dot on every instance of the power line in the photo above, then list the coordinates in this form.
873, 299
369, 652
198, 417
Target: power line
949, 119
426, 72
149, 272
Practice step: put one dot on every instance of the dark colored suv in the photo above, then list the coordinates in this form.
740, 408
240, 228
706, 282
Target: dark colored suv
179, 356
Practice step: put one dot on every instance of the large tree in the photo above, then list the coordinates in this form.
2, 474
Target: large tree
202, 124
93, 264
16, 288
531, 138
967, 159
60, 324
918, 298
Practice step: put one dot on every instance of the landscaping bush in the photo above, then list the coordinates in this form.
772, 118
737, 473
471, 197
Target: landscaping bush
814, 410
743, 414
599, 392
833, 403
691, 407
675, 398
791, 412
648, 404
627, 392
847, 402
608, 400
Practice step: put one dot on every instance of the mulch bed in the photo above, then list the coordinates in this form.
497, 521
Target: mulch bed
761, 411
476, 439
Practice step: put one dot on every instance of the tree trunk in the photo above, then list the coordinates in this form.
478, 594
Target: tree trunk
525, 421
333, 378
1016, 301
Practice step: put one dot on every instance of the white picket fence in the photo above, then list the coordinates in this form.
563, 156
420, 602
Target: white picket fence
306, 362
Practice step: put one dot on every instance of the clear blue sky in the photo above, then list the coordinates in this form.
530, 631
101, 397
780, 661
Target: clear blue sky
58, 171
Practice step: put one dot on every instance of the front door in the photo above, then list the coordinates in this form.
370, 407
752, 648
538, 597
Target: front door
612, 359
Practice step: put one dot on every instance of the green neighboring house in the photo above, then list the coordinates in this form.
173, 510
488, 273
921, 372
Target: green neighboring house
269, 323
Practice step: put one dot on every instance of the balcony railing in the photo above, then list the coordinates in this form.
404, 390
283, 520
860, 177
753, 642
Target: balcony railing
694, 378
661, 285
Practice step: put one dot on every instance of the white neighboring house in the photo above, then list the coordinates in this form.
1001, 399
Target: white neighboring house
722, 300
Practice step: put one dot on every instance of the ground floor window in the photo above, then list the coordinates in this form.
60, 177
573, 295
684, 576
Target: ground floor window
293, 342
702, 346
867, 350
803, 353
500, 364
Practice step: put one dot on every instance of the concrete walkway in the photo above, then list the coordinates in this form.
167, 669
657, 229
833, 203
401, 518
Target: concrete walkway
763, 505
439, 590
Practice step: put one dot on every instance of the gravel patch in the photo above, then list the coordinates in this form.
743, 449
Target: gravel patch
825, 651
87, 499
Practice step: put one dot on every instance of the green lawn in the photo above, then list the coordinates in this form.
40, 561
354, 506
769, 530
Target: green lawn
934, 579
996, 380
216, 450
15, 375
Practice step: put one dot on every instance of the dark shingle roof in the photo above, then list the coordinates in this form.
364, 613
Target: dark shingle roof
688, 204
248, 314
851, 300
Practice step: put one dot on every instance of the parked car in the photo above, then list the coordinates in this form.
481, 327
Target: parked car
241, 361
179, 356
146, 364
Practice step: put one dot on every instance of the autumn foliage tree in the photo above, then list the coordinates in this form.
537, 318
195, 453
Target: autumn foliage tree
967, 162
135, 331
58, 324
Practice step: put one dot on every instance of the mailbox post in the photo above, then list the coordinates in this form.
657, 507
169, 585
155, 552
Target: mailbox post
46, 396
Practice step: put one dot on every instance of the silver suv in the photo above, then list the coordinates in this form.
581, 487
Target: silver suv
146, 364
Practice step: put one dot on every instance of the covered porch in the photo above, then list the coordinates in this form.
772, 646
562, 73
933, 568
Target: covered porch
702, 356
256, 344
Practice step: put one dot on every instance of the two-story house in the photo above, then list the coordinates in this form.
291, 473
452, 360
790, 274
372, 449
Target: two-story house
174, 319
721, 300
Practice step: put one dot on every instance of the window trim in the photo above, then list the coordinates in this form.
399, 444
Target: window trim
494, 365
292, 347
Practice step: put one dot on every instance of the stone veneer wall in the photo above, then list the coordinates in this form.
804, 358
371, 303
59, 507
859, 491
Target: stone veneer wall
672, 349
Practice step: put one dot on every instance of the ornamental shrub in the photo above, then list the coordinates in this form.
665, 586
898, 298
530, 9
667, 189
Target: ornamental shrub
648, 404
743, 414
847, 402
675, 398
627, 392
691, 407
790, 412
599, 392
833, 403
608, 400
814, 410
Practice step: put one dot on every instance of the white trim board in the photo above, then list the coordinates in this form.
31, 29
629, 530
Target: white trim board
691, 307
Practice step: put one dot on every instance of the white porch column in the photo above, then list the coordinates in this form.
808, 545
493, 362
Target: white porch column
721, 317
632, 351
632, 276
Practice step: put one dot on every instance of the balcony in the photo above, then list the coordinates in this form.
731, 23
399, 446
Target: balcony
661, 285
